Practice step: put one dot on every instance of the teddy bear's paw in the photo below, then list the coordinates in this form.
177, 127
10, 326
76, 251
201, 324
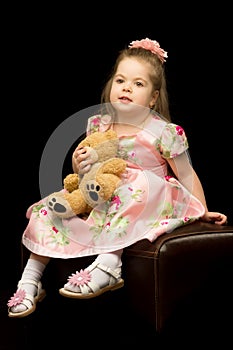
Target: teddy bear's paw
59, 206
93, 193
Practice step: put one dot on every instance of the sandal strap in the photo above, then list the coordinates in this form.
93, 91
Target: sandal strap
28, 301
114, 273
29, 281
85, 288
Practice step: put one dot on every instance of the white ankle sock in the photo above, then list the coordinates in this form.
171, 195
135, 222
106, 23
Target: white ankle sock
32, 271
100, 277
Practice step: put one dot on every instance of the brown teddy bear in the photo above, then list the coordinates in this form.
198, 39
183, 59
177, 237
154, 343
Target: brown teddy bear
84, 192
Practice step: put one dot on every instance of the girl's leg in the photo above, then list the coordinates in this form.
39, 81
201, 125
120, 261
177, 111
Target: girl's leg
29, 287
104, 274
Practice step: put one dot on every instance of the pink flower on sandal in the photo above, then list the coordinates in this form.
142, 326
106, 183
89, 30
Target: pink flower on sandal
80, 278
17, 298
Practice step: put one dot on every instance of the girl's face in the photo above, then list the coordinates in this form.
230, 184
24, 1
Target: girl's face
132, 85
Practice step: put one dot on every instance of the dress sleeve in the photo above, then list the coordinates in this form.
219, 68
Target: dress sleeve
93, 124
172, 142
98, 123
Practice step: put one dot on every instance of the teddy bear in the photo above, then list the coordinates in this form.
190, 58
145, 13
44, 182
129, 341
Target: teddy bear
82, 192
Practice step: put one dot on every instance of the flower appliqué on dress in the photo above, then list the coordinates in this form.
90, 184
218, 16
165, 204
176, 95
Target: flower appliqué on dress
17, 298
179, 130
80, 278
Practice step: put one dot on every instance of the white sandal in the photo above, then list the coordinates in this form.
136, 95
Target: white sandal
90, 289
21, 297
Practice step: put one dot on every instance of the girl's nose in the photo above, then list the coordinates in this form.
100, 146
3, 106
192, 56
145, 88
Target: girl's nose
127, 87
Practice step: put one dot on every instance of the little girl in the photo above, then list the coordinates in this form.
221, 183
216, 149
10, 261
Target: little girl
159, 191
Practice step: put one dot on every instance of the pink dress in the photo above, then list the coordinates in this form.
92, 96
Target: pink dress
147, 204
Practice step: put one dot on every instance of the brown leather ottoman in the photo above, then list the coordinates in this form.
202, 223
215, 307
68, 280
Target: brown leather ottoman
160, 276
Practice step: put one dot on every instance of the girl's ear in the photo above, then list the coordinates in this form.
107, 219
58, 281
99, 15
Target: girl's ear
154, 98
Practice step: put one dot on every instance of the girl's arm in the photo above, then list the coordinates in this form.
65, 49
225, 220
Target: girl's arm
187, 176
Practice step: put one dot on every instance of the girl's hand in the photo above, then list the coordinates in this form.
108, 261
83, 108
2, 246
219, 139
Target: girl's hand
215, 218
82, 159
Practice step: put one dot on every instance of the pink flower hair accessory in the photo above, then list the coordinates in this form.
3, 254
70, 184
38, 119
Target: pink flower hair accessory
151, 45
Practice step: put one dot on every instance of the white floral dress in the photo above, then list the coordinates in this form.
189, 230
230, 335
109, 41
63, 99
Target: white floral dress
147, 204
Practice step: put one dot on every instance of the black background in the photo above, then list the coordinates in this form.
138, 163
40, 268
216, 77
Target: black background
55, 63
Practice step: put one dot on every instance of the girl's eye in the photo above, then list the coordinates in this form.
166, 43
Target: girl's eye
119, 81
138, 83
